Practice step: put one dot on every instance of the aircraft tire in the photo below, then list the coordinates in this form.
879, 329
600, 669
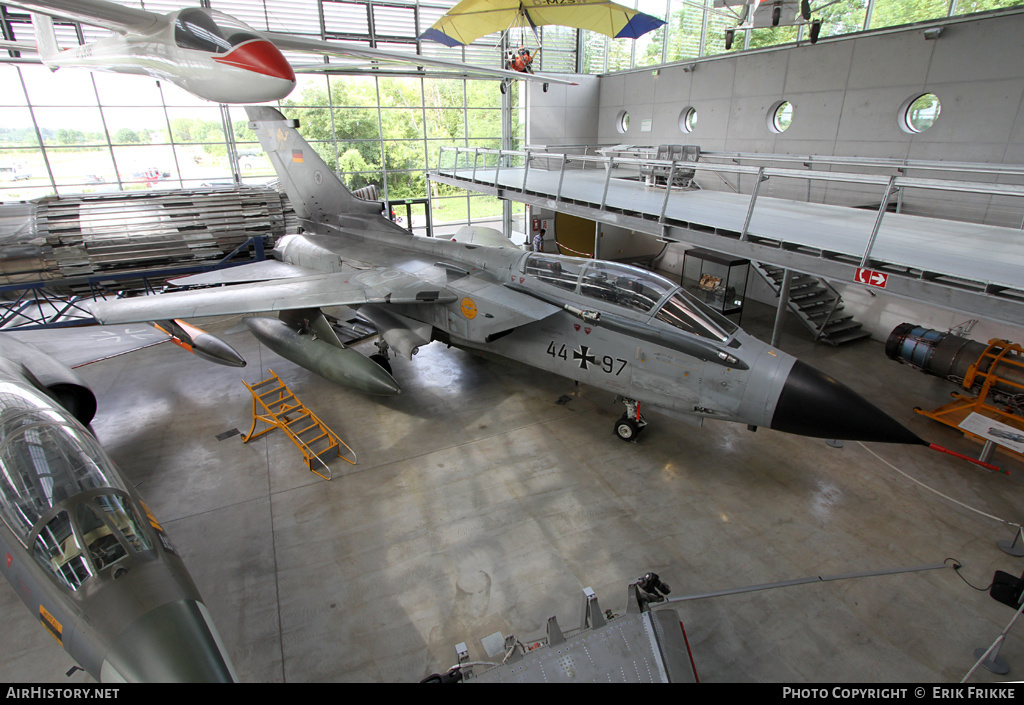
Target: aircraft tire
729, 34
545, 87
776, 16
815, 30
627, 429
504, 87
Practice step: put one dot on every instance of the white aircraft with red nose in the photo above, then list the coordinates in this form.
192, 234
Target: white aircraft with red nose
209, 53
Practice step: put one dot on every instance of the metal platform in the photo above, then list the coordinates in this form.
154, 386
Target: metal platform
963, 266
626, 650
640, 646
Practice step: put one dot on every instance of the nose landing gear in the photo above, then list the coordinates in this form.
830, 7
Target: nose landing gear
631, 423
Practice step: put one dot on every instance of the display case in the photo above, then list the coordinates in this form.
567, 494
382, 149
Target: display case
718, 280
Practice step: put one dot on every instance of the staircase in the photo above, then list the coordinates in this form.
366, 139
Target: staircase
817, 304
275, 405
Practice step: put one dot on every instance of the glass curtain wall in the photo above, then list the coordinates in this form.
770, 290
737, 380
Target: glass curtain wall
79, 131
696, 28
75, 131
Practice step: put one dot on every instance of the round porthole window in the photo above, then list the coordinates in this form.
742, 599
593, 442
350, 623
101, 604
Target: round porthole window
919, 113
780, 116
688, 119
622, 122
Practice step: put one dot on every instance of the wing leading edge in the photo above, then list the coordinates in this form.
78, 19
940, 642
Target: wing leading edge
317, 291
100, 13
288, 42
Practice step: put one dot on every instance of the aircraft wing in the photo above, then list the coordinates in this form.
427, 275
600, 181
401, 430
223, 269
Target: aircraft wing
791, 12
18, 46
122, 19
243, 273
351, 287
288, 42
378, 286
100, 13
76, 347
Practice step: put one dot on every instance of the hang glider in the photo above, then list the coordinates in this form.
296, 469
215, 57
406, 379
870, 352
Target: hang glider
209, 53
471, 19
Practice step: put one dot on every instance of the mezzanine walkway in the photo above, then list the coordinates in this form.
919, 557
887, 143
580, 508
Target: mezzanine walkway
969, 267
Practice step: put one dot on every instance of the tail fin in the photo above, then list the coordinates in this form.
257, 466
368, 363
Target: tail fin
46, 37
316, 194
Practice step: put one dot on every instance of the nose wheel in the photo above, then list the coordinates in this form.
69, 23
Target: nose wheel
631, 423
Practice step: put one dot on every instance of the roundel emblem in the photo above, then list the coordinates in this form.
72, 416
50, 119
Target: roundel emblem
468, 308
318, 177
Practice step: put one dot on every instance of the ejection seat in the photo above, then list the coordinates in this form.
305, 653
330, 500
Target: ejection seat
682, 175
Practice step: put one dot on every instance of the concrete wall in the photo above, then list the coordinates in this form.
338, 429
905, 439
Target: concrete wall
847, 95
564, 114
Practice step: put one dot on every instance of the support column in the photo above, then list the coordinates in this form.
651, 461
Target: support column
787, 280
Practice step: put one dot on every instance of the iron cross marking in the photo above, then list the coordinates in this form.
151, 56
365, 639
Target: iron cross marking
584, 356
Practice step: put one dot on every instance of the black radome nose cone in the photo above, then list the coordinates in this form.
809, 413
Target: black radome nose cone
814, 404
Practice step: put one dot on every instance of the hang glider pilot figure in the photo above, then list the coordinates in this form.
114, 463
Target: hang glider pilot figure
520, 60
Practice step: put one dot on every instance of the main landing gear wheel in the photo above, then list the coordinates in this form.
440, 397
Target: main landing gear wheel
381, 356
504, 86
382, 360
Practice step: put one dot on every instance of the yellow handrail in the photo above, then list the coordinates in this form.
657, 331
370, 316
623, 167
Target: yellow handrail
286, 409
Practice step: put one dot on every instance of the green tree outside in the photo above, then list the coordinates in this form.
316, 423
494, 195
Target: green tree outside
360, 141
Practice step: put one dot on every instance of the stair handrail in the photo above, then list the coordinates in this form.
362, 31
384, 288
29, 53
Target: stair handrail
315, 455
819, 331
835, 305
309, 452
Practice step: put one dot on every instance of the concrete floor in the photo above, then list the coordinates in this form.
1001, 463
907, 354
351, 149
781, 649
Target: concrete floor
479, 504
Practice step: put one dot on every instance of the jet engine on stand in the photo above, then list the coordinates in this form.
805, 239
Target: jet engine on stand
993, 373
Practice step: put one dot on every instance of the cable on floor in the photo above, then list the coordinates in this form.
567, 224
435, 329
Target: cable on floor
956, 569
946, 497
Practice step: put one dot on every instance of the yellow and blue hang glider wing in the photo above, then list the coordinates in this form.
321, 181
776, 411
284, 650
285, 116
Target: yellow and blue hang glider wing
471, 19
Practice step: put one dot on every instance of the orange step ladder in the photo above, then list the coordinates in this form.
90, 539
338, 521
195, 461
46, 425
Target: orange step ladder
275, 405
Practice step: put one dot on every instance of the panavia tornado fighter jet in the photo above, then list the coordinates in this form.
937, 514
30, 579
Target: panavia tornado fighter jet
611, 326
78, 544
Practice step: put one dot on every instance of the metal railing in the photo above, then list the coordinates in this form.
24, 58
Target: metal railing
484, 166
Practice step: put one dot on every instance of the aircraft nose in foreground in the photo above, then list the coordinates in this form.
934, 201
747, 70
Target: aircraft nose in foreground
173, 643
814, 404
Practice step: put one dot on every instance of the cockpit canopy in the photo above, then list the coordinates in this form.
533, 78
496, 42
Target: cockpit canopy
633, 289
209, 30
59, 493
